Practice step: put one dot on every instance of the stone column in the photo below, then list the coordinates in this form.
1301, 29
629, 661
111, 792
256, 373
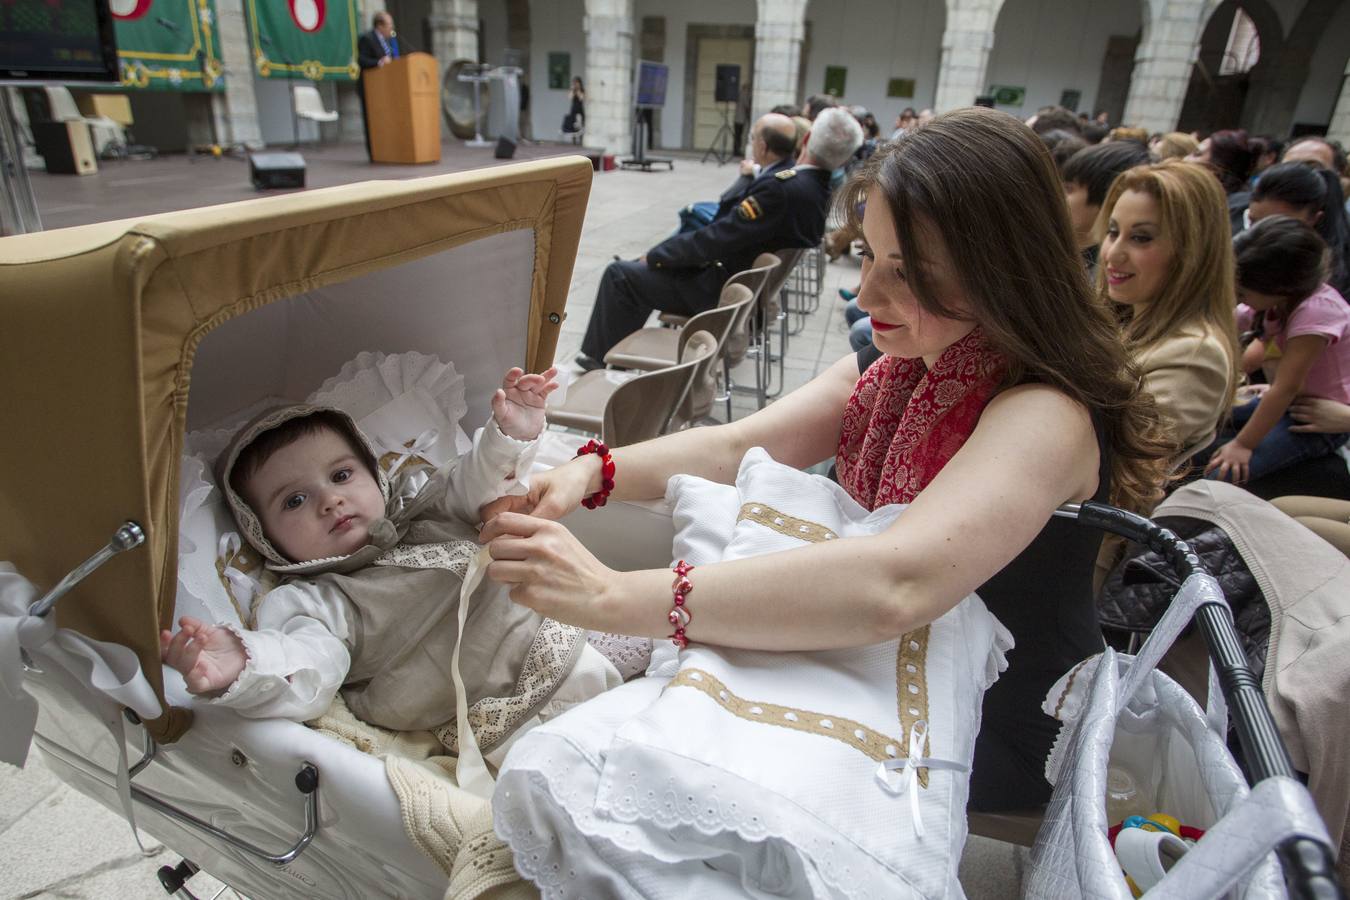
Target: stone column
454, 35
1340, 116
780, 29
609, 74
966, 44
1162, 65
236, 110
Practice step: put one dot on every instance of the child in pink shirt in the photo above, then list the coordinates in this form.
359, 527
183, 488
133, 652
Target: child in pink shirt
1281, 275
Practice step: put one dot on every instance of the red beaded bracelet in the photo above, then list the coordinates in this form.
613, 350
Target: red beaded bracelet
679, 614
606, 473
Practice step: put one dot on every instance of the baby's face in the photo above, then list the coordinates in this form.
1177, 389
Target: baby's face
315, 498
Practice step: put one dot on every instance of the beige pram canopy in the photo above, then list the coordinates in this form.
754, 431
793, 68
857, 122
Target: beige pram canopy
117, 338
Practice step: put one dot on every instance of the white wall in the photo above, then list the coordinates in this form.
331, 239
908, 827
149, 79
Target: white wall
877, 40
555, 26
1325, 70
679, 16
1049, 46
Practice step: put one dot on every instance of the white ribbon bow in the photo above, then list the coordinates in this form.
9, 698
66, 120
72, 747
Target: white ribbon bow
901, 776
419, 446
242, 585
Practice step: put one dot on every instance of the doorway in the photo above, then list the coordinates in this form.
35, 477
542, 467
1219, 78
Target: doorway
710, 52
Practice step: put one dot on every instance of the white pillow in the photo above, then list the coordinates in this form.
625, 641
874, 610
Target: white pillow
409, 404
777, 756
705, 516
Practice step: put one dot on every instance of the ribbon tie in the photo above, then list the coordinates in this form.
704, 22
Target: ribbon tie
418, 446
901, 776
242, 585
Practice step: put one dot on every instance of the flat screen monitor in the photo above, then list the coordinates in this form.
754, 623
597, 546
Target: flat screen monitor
57, 40
651, 83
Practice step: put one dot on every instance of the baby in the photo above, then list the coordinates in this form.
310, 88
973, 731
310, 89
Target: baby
373, 570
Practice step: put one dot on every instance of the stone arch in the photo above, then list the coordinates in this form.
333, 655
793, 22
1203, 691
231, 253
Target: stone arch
1094, 44
1215, 101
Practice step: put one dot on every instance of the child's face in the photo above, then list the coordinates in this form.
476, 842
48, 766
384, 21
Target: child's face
315, 498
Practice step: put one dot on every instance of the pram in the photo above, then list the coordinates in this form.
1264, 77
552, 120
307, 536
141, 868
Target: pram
121, 337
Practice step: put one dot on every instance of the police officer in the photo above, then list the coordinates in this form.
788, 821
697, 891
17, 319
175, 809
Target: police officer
772, 148
684, 274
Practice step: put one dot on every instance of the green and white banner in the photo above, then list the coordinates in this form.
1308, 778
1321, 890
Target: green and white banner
168, 45
314, 39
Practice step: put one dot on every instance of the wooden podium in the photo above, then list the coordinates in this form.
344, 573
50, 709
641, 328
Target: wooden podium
403, 110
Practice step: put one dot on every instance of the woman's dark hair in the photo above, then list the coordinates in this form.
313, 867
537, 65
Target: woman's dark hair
816, 103
1311, 189
1096, 167
977, 179
1232, 158
264, 446
576, 83
1281, 256
1263, 144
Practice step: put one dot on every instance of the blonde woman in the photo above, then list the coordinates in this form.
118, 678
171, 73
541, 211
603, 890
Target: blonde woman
1167, 266
1174, 145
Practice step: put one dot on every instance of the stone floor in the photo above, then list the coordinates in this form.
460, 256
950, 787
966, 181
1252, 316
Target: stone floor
56, 843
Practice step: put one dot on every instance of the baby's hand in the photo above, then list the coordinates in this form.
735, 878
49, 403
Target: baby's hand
209, 657
518, 406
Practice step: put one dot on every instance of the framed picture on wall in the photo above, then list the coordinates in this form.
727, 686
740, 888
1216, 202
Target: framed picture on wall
900, 87
1070, 98
835, 79
559, 71
1008, 95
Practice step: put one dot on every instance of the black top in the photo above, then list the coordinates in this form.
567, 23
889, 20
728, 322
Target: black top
782, 211
1044, 597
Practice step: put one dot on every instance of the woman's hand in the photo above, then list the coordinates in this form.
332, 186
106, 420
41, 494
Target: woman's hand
1233, 462
518, 405
548, 569
1318, 415
552, 494
209, 657
1249, 392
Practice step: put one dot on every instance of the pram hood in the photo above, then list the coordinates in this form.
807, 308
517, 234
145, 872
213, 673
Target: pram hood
100, 327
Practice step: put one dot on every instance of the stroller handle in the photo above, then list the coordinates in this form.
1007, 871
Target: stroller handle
1309, 869
128, 535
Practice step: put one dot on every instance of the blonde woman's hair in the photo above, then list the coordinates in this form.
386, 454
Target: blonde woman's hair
1175, 145
1199, 286
1124, 133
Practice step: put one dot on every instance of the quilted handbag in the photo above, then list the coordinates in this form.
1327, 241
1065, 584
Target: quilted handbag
1119, 711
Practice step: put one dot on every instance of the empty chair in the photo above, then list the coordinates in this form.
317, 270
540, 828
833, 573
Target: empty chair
103, 131
772, 310
657, 348
309, 105
628, 407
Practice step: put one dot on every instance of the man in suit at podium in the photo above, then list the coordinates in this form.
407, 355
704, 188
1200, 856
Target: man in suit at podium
375, 48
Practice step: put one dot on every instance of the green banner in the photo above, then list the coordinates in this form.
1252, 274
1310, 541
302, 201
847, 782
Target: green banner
314, 39
168, 45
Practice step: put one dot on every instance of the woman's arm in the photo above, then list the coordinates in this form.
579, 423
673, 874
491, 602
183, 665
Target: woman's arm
1032, 450
1300, 353
799, 430
1318, 415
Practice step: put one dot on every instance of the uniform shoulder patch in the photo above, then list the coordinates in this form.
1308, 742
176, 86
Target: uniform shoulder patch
785, 174
749, 209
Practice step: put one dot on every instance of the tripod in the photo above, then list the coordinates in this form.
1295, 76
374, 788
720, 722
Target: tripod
721, 146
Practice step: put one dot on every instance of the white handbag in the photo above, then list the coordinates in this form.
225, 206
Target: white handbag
1130, 715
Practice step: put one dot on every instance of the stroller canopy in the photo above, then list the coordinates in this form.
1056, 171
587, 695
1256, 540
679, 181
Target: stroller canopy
100, 327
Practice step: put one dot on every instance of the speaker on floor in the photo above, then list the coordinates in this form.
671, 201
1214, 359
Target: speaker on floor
728, 89
270, 169
506, 148
66, 147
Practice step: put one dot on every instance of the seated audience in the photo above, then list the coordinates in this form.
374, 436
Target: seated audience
1227, 153
1052, 118
907, 119
684, 274
1174, 145
773, 144
1087, 177
1313, 196
1167, 263
816, 104
1281, 273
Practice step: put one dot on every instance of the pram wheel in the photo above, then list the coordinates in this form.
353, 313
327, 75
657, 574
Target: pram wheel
174, 878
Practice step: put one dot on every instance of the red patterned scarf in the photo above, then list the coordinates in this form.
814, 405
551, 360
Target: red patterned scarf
905, 421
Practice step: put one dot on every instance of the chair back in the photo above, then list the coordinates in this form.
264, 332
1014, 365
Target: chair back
733, 305
642, 408
62, 104
308, 99
773, 287
755, 279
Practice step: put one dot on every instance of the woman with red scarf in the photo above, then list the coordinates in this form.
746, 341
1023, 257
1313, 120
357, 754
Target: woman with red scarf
1001, 390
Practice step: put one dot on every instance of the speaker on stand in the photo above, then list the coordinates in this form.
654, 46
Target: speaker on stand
727, 92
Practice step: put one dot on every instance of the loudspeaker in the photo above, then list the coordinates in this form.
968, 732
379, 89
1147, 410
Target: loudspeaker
276, 170
66, 147
506, 148
985, 100
728, 84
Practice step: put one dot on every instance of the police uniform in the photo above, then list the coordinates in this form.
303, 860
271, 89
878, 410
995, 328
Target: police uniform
684, 274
